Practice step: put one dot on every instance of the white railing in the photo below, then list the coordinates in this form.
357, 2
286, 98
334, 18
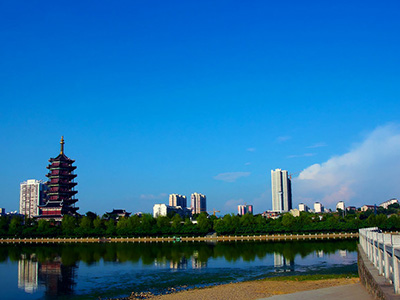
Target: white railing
383, 250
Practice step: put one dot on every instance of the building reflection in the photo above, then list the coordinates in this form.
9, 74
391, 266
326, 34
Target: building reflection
58, 279
28, 274
196, 262
283, 264
181, 264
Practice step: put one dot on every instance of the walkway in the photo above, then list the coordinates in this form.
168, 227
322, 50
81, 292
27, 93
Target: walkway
343, 292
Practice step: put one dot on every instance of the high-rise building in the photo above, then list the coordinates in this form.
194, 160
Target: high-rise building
30, 197
318, 207
60, 196
198, 203
340, 205
245, 209
303, 207
281, 191
177, 200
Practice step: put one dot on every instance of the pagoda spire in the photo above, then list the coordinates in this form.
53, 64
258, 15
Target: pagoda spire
62, 145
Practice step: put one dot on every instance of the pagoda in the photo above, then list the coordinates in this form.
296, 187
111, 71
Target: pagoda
60, 194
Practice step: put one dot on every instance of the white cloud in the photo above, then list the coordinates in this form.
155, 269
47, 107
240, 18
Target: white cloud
284, 138
153, 197
231, 176
367, 174
301, 155
317, 145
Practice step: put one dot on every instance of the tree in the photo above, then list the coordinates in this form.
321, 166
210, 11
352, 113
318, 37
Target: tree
163, 224
85, 226
68, 225
203, 223
43, 227
110, 227
288, 221
176, 222
4, 222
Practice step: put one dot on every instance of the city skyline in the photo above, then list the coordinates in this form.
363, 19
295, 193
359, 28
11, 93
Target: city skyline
161, 98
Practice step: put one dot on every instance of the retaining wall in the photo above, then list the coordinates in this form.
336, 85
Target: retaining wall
376, 285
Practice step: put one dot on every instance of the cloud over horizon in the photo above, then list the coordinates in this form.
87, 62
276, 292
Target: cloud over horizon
231, 176
153, 197
367, 174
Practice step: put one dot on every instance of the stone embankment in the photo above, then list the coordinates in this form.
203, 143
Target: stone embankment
213, 238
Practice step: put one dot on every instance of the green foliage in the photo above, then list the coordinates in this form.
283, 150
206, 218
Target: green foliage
230, 224
15, 227
68, 225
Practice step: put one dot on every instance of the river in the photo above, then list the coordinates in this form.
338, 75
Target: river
106, 270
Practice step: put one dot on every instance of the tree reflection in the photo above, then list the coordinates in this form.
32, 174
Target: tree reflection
57, 263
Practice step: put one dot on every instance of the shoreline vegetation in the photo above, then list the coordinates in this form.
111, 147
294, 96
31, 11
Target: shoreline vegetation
255, 289
145, 225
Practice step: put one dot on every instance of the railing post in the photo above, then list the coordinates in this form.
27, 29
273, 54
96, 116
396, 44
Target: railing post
387, 240
396, 252
380, 252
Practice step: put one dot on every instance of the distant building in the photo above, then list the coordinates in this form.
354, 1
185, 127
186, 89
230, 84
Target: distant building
318, 208
340, 205
295, 212
164, 210
2, 211
386, 204
367, 207
303, 207
118, 213
245, 209
281, 191
351, 208
30, 197
269, 214
198, 203
177, 200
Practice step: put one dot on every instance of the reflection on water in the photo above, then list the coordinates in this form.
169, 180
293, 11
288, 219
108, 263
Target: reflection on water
116, 269
28, 270
282, 264
57, 278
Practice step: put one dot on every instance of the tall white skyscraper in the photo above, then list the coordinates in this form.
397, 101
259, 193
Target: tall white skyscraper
31, 193
198, 203
281, 191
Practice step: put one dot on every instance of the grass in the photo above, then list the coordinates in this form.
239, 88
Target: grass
312, 277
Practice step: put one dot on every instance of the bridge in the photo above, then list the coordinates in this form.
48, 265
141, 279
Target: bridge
378, 262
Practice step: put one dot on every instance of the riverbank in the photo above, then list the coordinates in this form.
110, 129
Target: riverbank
223, 238
257, 289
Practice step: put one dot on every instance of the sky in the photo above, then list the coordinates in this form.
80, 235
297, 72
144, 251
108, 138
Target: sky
161, 97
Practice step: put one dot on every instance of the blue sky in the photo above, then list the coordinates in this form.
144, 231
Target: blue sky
159, 97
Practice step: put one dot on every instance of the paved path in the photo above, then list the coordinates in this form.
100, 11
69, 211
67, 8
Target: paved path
343, 292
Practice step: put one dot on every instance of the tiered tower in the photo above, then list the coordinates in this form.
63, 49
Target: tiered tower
60, 196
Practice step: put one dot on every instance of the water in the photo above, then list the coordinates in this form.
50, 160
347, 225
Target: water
106, 270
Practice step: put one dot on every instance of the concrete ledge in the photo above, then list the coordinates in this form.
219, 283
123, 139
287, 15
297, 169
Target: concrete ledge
223, 238
378, 286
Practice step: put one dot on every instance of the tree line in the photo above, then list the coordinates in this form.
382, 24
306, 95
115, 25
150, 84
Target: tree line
92, 225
